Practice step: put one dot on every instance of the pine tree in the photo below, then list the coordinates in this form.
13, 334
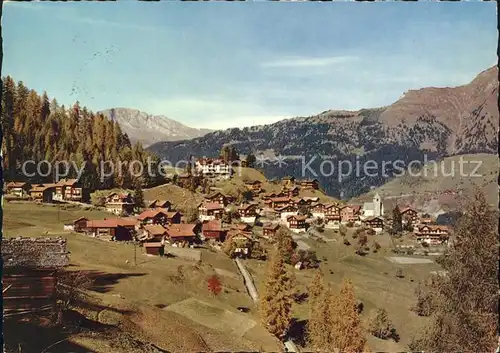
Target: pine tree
251, 160
465, 300
285, 245
277, 299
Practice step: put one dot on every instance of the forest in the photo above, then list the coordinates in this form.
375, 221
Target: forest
36, 128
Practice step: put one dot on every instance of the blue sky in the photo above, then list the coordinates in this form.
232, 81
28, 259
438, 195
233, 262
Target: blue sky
219, 65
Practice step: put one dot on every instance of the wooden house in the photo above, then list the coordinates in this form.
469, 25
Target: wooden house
247, 210
297, 223
269, 230
113, 229
182, 235
255, 186
119, 204
219, 198
375, 223
165, 204
155, 233
242, 241
288, 181
29, 275
291, 192
286, 211
277, 202
78, 225
432, 234
159, 216
409, 216
210, 210
42, 193
241, 227
350, 213
18, 189
71, 190
154, 248
212, 230
318, 210
308, 184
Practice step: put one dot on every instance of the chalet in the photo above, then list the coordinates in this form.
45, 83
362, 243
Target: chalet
183, 179
309, 184
218, 198
426, 219
30, 268
119, 204
159, 216
209, 167
269, 230
248, 212
160, 204
288, 181
18, 188
155, 233
332, 216
318, 210
242, 242
154, 248
71, 190
297, 223
375, 223
241, 227
291, 192
181, 235
255, 186
349, 213
432, 234
212, 230
277, 202
113, 229
409, 216
210, 210
78, 225
42, 193
270, 195
286, 211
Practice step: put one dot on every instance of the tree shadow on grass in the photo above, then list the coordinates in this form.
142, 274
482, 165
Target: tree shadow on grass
103, 282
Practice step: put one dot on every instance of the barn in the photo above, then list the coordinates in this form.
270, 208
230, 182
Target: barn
29, 273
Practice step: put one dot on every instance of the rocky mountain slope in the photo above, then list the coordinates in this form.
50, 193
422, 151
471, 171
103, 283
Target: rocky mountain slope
428, 123
148, 129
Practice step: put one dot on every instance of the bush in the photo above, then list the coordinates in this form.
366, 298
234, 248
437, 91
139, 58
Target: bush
399, 273
349, 224
381, 327
346, 242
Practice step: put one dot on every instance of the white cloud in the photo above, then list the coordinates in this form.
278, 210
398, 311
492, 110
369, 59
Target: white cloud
297, 62
214, 113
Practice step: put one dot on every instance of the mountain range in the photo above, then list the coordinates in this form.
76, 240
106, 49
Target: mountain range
427, 123
148, 129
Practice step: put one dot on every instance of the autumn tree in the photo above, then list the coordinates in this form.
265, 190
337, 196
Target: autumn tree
423, 305
277, 299
465, 300
285, 245
381, 327
138, 194
214, 285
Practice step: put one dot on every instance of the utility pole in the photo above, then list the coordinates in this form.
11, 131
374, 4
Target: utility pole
135, 253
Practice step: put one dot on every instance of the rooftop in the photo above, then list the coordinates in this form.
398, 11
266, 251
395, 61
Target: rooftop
39, 253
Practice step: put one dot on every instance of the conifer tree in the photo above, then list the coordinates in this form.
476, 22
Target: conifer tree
277, 299
138, 194
465, 300
381, 327
397, 222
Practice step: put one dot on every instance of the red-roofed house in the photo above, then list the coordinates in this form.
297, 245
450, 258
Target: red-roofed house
165, 204
71, 190
159, 216
42, 193
182, 235
154, 248
212, 230
208, 211
153, 233
217, 198
112, 229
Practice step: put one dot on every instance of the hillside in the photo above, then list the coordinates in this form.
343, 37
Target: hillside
436, 122
434, 190
148, 129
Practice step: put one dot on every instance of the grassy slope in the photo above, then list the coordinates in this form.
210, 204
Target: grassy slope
372, 286
139, 288
411, 187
